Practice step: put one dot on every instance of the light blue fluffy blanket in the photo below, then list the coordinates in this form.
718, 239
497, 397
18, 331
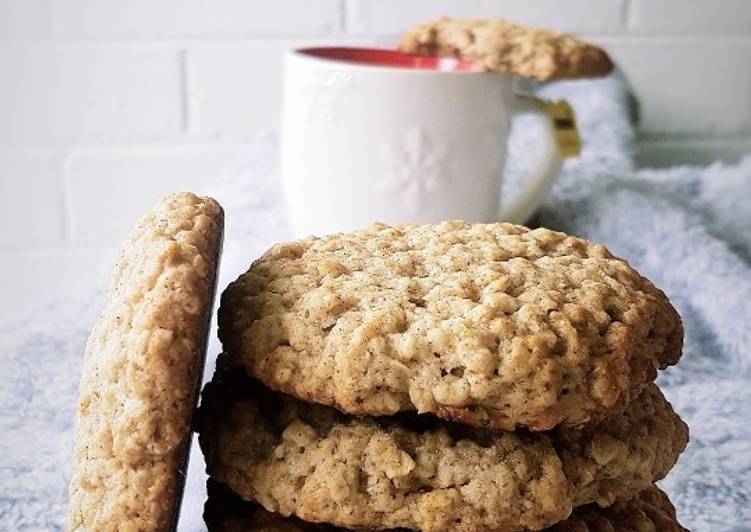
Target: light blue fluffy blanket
687, 229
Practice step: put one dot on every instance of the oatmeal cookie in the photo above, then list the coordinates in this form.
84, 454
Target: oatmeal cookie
142, 369
650, 511
487, 324
420, 472
506, 48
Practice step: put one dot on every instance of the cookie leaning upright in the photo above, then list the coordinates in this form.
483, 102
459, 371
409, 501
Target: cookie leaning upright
507, 48
142, 368
486, 324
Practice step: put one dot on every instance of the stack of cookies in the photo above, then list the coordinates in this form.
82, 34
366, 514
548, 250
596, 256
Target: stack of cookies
442, 377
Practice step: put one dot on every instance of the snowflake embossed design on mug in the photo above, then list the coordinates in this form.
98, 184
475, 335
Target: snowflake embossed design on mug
414, 168
326, 92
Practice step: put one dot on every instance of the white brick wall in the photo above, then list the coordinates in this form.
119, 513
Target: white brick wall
31, 184
391, 17
233, 91
107, 104
212, 19
23, 19
76, 94
694, 18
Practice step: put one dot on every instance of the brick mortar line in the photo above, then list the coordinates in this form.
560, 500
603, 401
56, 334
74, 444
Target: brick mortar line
67, 197
181, 143
625, 14
185, 103
334, 35
739, 38
343, 28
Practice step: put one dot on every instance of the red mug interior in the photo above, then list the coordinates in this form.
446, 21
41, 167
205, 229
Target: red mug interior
382, 57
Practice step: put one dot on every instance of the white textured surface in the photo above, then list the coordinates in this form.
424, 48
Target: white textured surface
74, 269
687, 229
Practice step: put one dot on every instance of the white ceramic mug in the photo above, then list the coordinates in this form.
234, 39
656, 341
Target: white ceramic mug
375, 135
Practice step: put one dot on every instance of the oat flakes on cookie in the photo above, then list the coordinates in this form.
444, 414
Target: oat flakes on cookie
506, 48
420, 472
142, 368
486, 324
650, 511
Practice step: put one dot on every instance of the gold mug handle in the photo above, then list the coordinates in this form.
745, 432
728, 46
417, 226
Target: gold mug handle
561, 141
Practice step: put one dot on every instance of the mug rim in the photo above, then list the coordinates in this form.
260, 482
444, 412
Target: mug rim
354, 57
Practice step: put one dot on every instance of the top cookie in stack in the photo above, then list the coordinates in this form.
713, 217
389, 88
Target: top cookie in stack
442, 377
490, 325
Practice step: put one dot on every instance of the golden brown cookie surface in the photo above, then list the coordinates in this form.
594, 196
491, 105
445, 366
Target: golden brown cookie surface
420, 472
226, 512
142, 366
650, 511
507, 48
486, 324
